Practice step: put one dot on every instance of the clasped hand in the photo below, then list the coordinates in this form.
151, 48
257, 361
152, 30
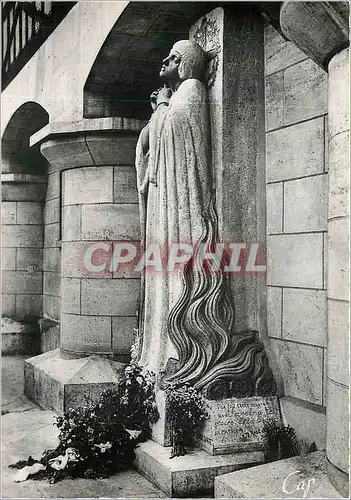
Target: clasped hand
162, 95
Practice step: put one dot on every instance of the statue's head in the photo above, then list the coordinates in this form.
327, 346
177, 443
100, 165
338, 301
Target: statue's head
185, 60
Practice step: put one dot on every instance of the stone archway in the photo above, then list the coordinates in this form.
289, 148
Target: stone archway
17, 156
24, 183
126, 69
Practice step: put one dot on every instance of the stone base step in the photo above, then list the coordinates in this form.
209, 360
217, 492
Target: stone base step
18, 337
297, 477
193, 474
59, 384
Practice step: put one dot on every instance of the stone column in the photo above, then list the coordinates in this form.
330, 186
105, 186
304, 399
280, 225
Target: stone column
338, 297
94, 163
320, 29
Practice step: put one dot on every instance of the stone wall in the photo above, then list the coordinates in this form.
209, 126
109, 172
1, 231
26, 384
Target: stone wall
55, 76
99, 204
52, 250
22, 245
297, 184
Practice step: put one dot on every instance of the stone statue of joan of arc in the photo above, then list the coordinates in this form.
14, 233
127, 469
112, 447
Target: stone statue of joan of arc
174, 182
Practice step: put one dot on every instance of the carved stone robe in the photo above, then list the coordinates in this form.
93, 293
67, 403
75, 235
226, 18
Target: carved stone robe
174, 182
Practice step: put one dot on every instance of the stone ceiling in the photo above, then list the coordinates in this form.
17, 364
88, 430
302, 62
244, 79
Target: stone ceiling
126, 69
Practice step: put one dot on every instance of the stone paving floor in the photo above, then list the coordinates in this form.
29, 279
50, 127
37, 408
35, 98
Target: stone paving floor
28, 430
296, 477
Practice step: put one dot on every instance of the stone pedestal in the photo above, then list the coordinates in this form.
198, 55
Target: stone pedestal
234, 425
193, 474
237, 425
93, 161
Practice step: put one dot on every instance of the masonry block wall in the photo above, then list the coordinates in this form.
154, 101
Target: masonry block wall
22, 245
99, 205
91, 207
52, 250
297, 187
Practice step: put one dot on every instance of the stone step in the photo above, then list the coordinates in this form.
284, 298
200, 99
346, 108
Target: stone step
193, 474
19, 338
297, 477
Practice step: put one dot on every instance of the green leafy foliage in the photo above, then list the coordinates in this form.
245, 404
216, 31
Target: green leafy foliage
186, 411
99, 439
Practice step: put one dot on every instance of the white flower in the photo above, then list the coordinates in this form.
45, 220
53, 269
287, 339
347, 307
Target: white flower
104, 446
27, 471
73, 455
133, 434
61, 461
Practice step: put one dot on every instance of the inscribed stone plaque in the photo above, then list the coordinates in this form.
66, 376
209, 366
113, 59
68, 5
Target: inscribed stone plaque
236, 425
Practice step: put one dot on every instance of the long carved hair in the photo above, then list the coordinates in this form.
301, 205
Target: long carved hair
212, 357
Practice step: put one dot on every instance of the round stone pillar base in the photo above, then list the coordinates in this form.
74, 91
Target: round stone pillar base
339, 479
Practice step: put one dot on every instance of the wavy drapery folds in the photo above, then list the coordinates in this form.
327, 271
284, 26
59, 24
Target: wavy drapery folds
211, 357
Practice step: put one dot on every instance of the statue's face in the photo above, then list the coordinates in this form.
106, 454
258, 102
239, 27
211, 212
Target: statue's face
169, 68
